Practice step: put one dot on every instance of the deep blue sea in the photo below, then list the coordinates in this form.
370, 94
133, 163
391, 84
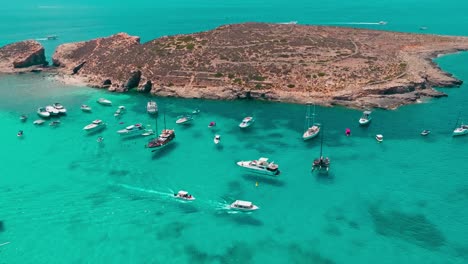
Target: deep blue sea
65, 198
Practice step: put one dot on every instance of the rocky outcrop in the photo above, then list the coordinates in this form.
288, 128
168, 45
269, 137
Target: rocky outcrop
146, 88
134, 80
22, 56
78, 67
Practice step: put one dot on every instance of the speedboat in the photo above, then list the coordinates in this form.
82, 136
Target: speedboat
60, 108
152, 107
119, 110
425, 132
217, 139
23, 118
184, 119
148, 132
379, 138
85, 108
95, 125
166, 137
184, 196
39, 122
131, 129
243, 206
212, 124
246, 122
261, 166
42, 112
54, 123
461, 130
311, 132
196, 112
104, 101
52, 110
382, 22
365, 118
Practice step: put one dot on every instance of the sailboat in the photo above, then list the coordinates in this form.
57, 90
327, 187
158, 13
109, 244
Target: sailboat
310, 131
166, 137
321, 164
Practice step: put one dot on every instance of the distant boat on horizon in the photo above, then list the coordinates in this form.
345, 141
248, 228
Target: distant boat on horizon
52, 37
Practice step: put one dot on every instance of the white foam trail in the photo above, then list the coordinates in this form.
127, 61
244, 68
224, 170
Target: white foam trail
3, 244
41, 39
144, 190
355, 23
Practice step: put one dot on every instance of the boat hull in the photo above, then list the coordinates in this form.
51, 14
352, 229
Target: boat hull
460, 132
364, 122
43, 114
254, 208
307, 136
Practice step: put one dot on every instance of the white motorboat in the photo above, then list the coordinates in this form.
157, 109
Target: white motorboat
20, 133
104, 101
148, 132
184, 119
243, 206
60, 108
379, 138
365, 118
23, 118
152, 107
52, 110
461, 130
39, 122
196, 112
85, 108
425, 132
217, 139
42, 112
120, 110
311, 129
183, 195
246, 122
131, 129
95, 125
261, 166
382, 22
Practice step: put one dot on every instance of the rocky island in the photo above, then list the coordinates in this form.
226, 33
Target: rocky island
278, 62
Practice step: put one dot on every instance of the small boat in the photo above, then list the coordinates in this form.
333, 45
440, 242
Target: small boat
310, 131
52, 110
52, 37
365, 118
42, 112
425, 132
54, 123
104, 101
423, 28
96, 124
461, 130
212, 124
85, 108
243, 206
23, 118
382, 22
39, 122
184, 119
261, 166
246, 122
379, 138
60, 108
217, 139
348, 132
120, 110
148, 132
20, 133
131, 129
184, 196
152, 107
196, 112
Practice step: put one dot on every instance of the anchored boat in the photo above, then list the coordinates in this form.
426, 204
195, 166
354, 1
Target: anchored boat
95, 125
184, 119
321, 164
365, 118
152, 107
104, 101
85, 108
243, 206
261, 166
246, 122
310, 131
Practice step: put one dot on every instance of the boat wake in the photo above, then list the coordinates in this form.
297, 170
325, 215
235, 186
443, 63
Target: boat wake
356, 23
41, 39
288, 23
3, 244
144, 190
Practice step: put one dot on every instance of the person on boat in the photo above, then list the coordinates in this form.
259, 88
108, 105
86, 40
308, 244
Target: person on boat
348, 132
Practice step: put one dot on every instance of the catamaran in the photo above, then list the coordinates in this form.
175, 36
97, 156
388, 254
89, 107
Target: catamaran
365, 118
321, 164
261, 166
310, 131
152, 107
243, 206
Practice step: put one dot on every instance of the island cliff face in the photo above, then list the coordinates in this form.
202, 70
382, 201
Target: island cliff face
289, 63
22, 56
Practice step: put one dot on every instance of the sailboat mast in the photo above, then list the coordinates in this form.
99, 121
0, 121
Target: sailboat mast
164, 120
321, 144
313, 116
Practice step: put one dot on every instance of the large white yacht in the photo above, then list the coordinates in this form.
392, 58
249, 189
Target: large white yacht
132, 129
95, 125
261, 166
243, 206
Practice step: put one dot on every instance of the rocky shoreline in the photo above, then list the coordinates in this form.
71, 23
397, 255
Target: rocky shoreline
356, 68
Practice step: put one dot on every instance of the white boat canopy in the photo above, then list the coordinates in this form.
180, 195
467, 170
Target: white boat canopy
243, 203
182, 193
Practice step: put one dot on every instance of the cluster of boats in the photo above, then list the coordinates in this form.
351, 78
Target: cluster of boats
236, 205
51, 110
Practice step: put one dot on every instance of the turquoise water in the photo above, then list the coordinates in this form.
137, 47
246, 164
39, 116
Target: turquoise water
64, 198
